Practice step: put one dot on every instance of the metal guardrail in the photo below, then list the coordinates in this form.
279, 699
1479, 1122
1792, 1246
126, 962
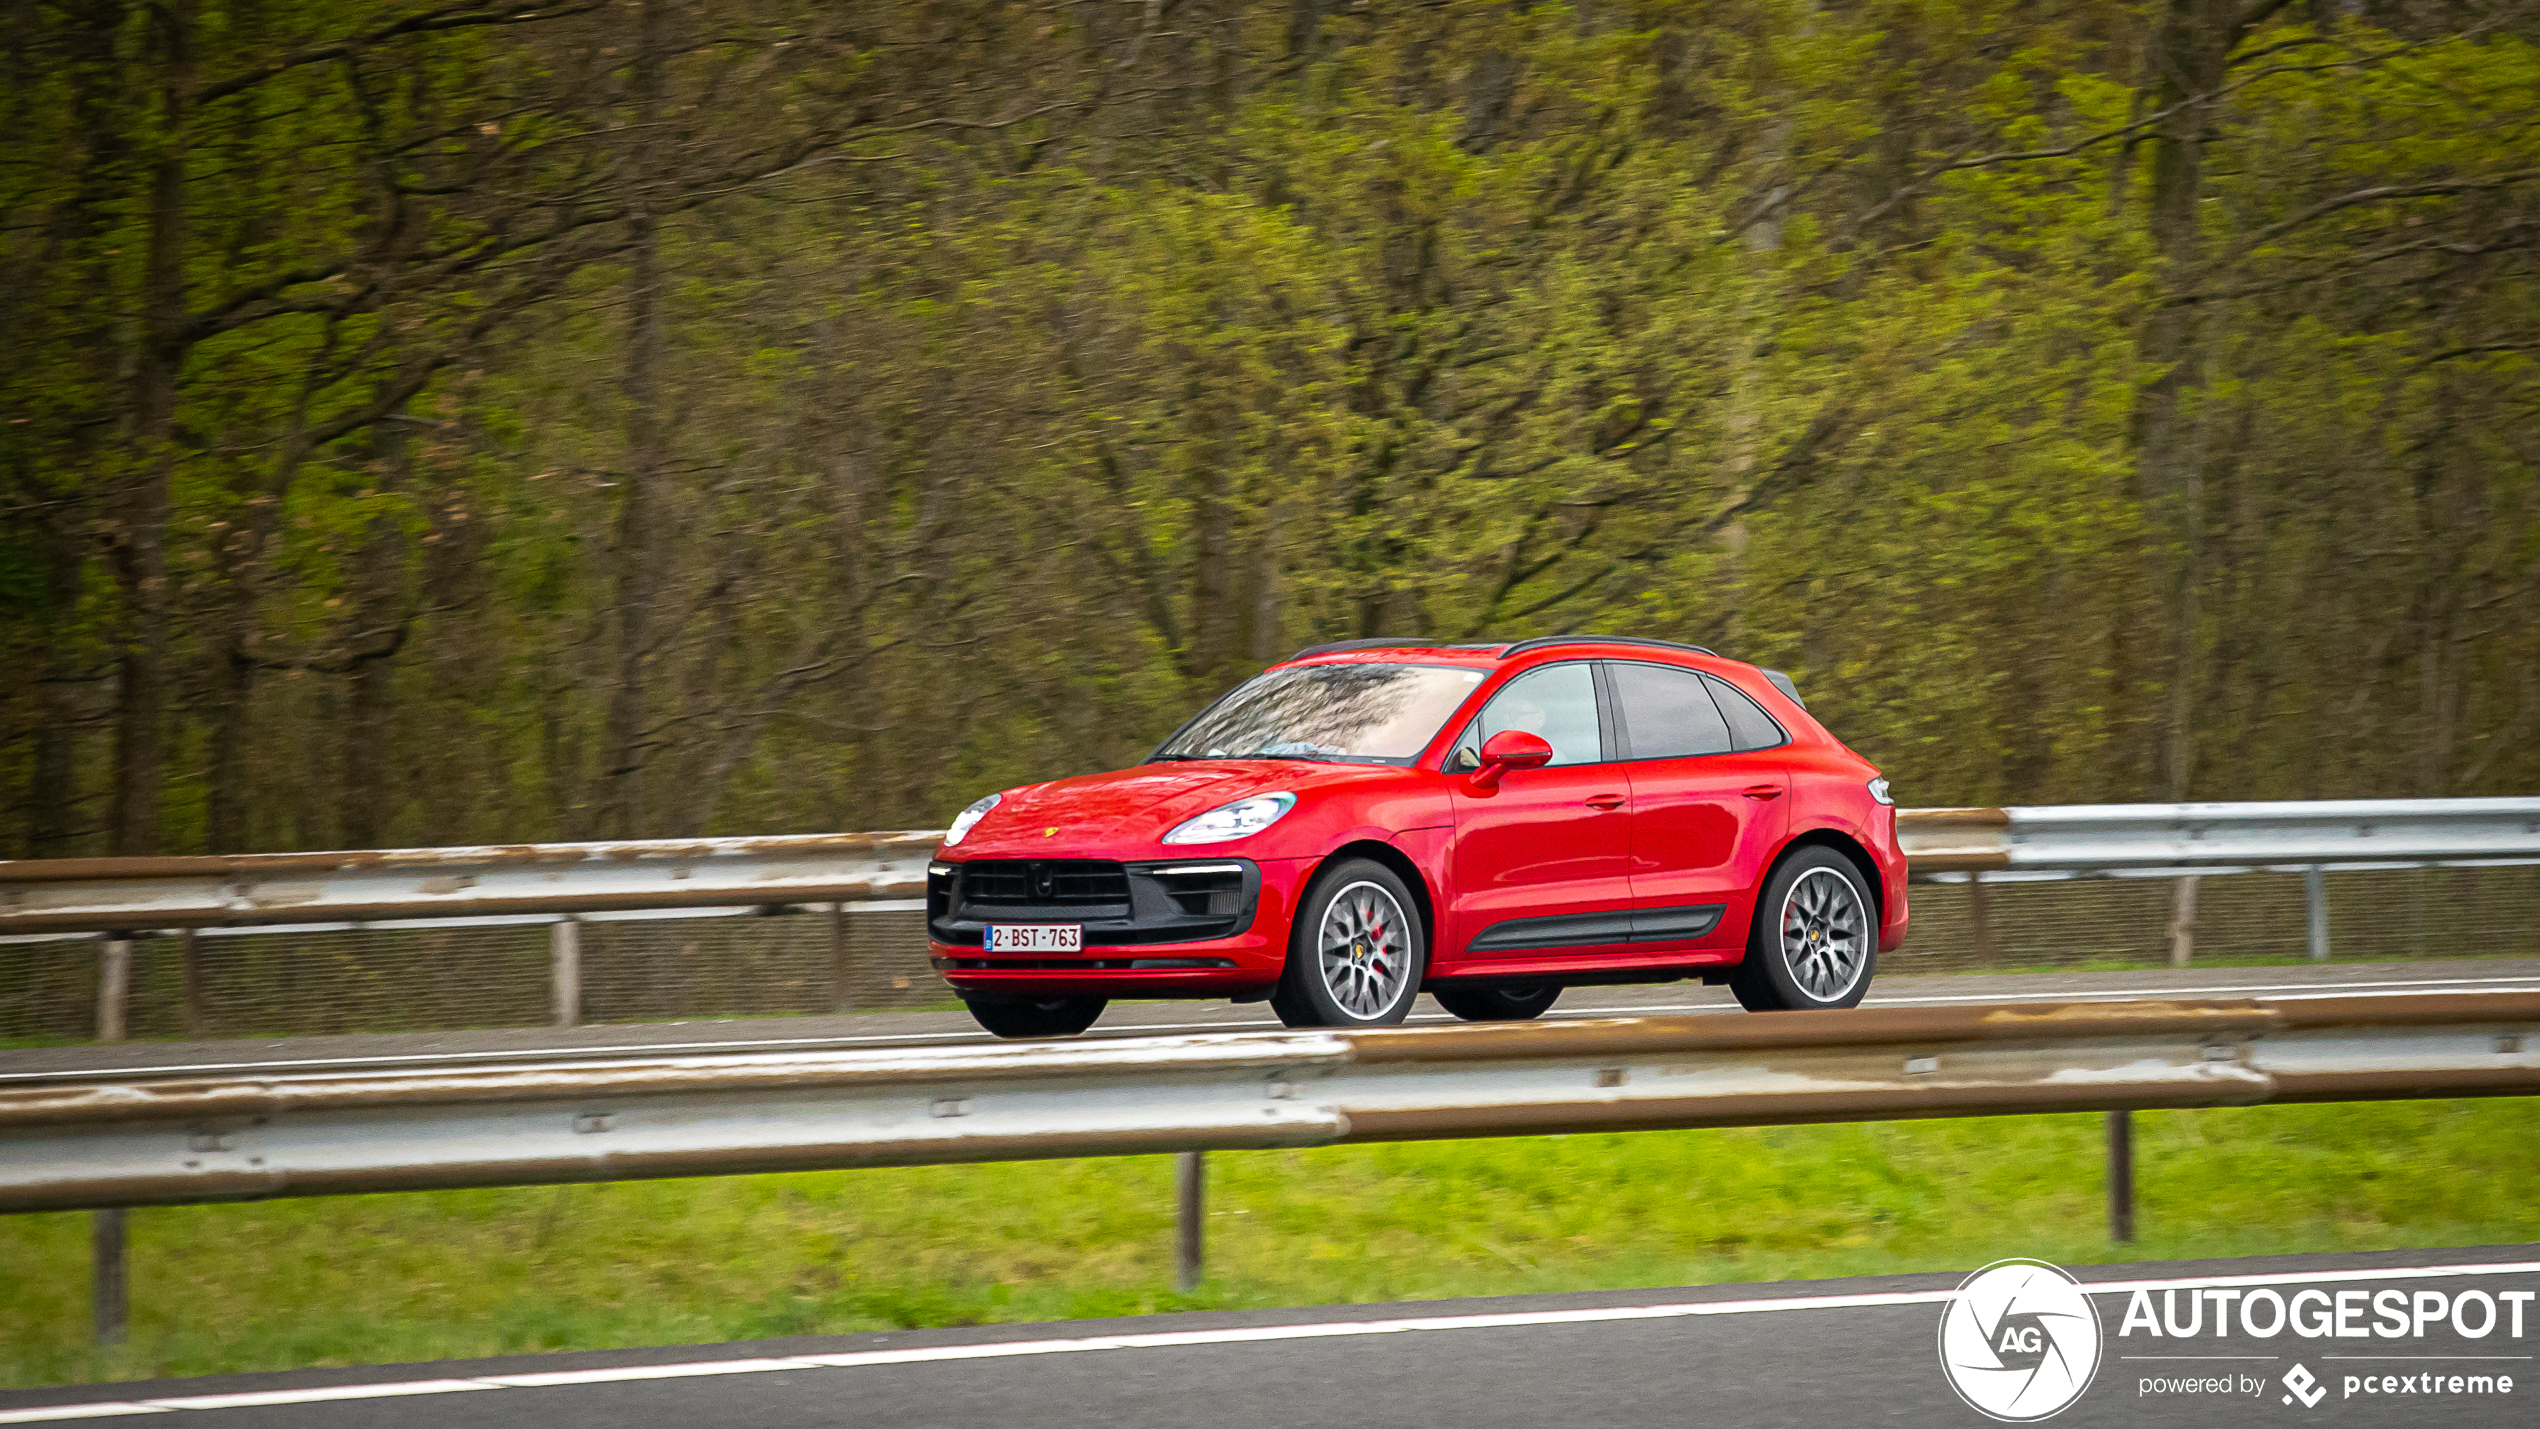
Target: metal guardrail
252, 890
2185, 838
77, 895
68, 1142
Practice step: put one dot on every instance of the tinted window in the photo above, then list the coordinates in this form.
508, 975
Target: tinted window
1557, 702
1367, 713
1667, 712
1748, 724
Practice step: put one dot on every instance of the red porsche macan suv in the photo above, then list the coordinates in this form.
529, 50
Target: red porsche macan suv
1491, 823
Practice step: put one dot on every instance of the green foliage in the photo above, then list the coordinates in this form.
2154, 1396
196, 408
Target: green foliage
1006, 382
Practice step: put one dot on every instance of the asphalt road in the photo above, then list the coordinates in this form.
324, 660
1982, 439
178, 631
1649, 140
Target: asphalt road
1157, 1018
1816, 1353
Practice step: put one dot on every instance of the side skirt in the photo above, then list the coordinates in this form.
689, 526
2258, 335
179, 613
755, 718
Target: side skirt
1610, 969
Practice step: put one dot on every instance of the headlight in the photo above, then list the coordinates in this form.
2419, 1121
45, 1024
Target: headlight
1878, 790
969, 818
1240, 819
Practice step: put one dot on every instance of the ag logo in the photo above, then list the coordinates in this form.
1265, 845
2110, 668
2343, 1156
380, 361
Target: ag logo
2020, 1342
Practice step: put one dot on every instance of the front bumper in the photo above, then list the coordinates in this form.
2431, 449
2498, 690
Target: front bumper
1181, 927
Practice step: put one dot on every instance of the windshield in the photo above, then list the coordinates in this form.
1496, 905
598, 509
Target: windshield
1383, 714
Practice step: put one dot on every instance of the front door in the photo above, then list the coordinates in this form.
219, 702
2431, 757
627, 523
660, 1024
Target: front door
1709, 802
1537, 865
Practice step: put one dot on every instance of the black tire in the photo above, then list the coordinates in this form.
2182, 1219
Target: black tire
1372, 971
1815, 942
1519, 1002
1036, 1016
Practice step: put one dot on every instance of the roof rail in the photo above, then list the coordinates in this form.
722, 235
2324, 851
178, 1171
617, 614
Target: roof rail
1392, 643
1541, 641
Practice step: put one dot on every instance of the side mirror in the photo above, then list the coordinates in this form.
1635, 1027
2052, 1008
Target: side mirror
1510, 749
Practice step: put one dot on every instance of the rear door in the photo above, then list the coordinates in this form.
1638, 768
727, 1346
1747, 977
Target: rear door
1710, 801
1537, 865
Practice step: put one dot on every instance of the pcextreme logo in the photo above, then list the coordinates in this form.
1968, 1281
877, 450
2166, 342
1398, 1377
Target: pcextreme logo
2304, 1386
2020, 1341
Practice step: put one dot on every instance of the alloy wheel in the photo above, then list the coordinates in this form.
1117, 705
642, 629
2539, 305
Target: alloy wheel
1824, 934
1365, 949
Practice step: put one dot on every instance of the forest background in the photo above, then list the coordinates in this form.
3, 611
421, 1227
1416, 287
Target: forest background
451, 421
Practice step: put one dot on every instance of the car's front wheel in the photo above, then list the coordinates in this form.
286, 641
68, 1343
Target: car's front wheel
1355, 953
1036, 1016
1815, 939
1518, 1003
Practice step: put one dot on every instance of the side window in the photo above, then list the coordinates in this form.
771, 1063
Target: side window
1667, 712
1748, 724
1557, 702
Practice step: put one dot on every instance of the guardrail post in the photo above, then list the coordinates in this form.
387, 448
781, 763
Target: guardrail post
841, 988
2183, 921
198, 998
1977, 914
565, 940
2315, 892
114, 985
108, 1297
1190, 1170
2121, 1177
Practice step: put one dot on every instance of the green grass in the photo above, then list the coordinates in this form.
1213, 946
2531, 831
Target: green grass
370, 1279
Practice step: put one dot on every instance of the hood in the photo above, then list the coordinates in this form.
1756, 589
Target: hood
1091, 815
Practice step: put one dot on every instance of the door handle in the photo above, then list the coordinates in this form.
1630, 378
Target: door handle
1763, 791
1605, 801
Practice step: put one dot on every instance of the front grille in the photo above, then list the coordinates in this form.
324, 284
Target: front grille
1117, 905
1044, 883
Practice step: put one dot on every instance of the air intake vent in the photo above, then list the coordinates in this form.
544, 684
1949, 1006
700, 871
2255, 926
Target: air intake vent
1044, 883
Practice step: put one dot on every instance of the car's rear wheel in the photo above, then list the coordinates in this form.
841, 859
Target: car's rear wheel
1036, 1016
1515, 1003
1355, 953
1815, 940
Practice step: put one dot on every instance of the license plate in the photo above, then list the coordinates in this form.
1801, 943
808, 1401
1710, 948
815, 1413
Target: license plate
1036, 937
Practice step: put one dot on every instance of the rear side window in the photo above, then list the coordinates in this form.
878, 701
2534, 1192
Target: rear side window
1748, 724
1557, 702
1668, 713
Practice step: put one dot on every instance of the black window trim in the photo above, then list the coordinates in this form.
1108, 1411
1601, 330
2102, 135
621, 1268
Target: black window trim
1618, 735
1609, 717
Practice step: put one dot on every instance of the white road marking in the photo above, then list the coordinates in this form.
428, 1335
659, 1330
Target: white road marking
1176, 1339
2396, 987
